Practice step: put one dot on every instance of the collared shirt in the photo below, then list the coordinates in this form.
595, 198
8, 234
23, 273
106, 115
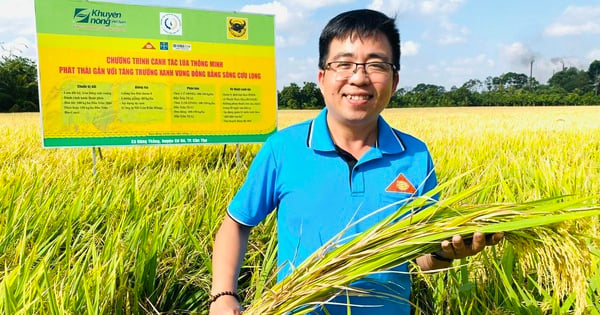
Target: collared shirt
299, 173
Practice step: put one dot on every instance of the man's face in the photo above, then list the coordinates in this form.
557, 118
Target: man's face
360, 98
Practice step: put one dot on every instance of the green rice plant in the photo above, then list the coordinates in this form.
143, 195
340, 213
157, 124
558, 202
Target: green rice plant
400, 239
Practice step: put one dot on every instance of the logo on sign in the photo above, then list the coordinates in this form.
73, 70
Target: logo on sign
148, 46
182, 47
81, 15
237, 28
98, 17
171, 24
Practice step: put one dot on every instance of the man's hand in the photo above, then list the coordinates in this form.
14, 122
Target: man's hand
459, 247
226, 305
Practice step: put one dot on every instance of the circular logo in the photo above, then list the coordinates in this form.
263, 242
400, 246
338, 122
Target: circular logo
402, 185
171, 23
237, 27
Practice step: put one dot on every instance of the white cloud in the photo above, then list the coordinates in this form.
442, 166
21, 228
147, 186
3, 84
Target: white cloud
437, 10
450, 39
10, 9
427, 7
293, 70
409, 48
518, 53
281, 12
20, 46
17, 31
436, 7
18, 18
576, 21
291, 25
469, 67
594, 55
312, 4
450, 73
452, 33
515, 49
392, 7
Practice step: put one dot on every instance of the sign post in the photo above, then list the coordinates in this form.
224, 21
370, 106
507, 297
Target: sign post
120, 75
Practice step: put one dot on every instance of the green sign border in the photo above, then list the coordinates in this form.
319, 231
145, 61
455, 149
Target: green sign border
58, 17
154, 140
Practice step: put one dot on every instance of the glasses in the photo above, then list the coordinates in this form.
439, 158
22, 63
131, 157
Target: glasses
346, 69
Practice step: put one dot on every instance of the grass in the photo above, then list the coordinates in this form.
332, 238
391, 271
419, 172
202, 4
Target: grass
137, 237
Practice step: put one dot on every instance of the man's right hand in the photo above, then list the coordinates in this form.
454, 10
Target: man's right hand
226, 305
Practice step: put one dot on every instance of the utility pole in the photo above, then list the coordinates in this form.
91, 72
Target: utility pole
531, 72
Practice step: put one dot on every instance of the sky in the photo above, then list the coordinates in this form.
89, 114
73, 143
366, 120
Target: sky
444, 42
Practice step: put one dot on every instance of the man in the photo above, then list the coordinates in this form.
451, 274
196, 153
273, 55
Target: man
325, 173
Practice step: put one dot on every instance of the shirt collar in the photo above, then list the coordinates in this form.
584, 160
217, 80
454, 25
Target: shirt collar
388, 140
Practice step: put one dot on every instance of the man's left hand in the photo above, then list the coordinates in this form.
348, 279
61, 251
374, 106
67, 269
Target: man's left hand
459, 247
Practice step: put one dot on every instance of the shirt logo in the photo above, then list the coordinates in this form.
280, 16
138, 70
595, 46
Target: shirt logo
402, 185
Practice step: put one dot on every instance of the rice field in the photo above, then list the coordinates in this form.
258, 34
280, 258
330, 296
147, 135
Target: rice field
137, 236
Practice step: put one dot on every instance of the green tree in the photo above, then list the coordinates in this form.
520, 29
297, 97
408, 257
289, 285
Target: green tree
426, 95
570, 79
458, 97
594, 75
514, 80
294, 97
18, 85
289, 96
311, 96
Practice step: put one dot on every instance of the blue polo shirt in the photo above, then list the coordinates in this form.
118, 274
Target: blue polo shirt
299, 173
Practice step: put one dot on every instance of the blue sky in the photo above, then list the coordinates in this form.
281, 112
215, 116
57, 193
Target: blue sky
444, 42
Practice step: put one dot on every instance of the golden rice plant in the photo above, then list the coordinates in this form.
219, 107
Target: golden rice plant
408, 234
137, 236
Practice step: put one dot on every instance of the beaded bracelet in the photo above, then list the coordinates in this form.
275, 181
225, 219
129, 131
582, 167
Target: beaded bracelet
440, 257
213, 298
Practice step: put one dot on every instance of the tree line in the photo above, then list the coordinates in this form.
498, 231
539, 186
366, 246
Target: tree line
570, 86
18, 85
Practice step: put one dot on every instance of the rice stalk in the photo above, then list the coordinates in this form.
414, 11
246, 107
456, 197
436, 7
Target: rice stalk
408, 234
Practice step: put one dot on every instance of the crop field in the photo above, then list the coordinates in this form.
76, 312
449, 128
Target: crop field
136, 237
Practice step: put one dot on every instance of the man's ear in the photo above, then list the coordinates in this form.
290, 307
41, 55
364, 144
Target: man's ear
320, 79
395, 80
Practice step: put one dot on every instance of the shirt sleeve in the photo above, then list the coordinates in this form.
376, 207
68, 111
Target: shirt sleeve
257, 197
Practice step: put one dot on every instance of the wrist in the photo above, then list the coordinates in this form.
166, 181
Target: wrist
216, 296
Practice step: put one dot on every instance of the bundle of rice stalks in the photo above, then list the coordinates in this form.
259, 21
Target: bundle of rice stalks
417, 228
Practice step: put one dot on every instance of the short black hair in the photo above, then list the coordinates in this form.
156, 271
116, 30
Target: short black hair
363, 23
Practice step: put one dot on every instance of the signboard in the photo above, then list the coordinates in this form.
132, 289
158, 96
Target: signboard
117, 75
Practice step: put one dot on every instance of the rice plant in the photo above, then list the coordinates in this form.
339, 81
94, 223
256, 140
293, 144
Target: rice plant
561, 263
137, 236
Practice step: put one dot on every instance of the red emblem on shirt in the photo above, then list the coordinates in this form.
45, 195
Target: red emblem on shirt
401, 184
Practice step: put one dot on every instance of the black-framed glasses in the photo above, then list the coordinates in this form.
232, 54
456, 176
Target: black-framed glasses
375, 69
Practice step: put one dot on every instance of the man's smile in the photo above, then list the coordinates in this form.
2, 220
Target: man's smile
358, 97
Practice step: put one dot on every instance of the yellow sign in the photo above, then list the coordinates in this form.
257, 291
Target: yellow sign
114, 82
